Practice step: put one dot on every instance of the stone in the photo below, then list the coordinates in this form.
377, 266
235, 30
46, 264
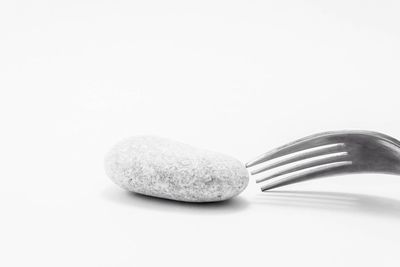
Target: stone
163, 168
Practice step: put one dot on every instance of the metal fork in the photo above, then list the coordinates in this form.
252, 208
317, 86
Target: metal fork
326, 154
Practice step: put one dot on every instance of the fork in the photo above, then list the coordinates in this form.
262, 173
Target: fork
327, 154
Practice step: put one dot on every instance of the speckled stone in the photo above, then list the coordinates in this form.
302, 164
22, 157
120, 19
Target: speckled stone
164, 168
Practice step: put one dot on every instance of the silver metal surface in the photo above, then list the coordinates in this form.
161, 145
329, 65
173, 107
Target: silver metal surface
327, 154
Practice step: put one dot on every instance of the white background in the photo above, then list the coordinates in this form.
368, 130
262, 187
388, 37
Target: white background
239, 77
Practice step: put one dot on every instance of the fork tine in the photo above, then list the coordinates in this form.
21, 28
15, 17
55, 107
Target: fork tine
330, 158
298, 145
307, 153
308, 174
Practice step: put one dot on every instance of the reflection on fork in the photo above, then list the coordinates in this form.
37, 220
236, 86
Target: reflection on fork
326, 154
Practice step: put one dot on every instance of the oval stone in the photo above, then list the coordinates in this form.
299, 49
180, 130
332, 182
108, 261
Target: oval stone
164, 168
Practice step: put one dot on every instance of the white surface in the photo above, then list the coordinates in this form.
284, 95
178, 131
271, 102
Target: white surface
239, 77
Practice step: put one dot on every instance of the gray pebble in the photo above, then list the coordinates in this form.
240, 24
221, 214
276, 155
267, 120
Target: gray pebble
164, 168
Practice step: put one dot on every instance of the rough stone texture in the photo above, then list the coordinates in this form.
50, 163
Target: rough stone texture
163, 168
